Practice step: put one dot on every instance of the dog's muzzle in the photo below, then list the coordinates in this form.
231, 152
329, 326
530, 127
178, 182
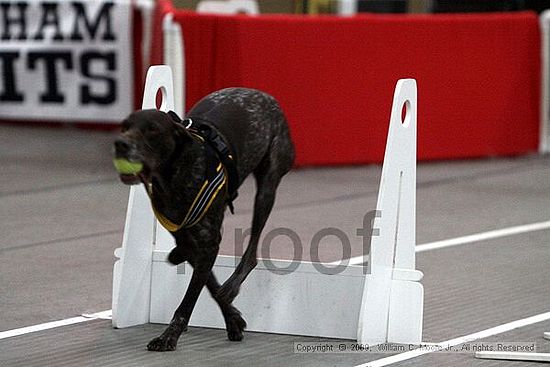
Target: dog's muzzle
129, 169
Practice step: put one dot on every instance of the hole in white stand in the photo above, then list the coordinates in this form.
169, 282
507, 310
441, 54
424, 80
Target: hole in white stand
405, 113
160, 99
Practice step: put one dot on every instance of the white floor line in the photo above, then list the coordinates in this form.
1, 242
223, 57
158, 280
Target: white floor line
457, 341
483, 236
476, 237
55, 324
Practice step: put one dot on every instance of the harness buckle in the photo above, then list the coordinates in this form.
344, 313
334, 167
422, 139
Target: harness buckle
189, 123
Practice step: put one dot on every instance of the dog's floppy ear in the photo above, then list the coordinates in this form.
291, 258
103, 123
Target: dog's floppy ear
182, 133
174, 116
180, 129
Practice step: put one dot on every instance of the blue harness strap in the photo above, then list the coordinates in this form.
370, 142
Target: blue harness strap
205, 197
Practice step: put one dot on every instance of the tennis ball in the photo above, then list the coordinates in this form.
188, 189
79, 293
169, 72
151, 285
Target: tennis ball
125, 167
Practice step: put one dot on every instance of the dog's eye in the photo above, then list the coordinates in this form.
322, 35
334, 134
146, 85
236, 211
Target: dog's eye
124, 126
152, 129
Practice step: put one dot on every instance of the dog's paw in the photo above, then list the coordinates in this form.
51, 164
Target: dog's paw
235, 326
227, 293
162, 344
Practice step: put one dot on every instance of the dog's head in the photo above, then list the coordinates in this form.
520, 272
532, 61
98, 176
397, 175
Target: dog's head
148, 139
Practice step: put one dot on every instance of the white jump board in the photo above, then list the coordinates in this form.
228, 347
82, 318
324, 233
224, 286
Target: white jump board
515, 356
299, 302
383, 303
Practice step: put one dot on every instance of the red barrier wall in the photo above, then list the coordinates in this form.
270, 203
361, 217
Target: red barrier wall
478, 78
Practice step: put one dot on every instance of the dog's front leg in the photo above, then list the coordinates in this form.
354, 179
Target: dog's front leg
169, 338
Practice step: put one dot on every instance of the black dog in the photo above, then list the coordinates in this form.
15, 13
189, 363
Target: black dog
243, 129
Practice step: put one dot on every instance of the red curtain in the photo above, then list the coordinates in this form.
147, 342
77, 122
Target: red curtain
478, 78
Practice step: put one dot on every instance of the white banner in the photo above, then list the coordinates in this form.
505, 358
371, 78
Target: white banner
66, 60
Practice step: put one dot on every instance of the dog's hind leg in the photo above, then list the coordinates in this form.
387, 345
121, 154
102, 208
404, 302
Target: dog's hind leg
268, 175
234, 323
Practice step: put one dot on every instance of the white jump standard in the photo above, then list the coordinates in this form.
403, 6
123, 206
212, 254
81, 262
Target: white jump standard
384, 305
393, 300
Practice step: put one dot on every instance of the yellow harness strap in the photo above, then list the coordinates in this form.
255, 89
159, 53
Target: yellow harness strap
202, 202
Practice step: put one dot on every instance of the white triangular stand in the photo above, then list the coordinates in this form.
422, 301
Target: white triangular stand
132, 272
392, 302
382, 306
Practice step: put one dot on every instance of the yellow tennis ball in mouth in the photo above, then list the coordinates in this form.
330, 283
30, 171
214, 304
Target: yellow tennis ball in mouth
125, 167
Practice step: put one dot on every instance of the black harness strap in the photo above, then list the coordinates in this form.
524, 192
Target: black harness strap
217, 151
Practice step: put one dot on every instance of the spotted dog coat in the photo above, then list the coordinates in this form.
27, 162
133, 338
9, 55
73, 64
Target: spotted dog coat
174, 164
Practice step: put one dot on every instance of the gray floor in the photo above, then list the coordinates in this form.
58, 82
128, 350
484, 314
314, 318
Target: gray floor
63, 209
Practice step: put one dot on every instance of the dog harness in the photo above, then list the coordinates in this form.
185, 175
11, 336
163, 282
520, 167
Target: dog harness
221, 172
